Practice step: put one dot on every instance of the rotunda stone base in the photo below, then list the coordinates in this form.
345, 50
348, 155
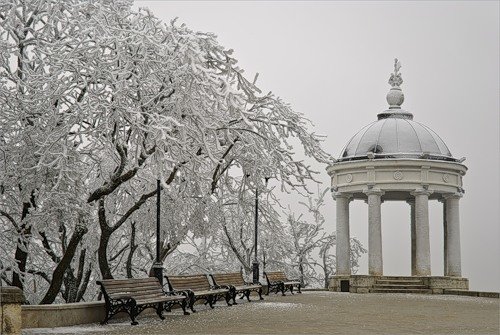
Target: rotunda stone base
397, 284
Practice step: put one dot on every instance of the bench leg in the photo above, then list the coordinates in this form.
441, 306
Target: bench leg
298, 287
278, 288
192, 300
108, 316
133, 315
233, 295
291, 289
283, 289
183, 306
228, 298
260, 294
192, 309
210, 301
159, 311
109, 313
247, 294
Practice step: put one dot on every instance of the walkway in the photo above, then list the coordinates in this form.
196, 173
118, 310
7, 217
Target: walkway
319, 313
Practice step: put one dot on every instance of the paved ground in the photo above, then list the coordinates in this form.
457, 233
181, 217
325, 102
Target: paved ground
319, 313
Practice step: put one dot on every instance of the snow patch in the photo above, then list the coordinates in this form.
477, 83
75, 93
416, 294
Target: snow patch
64, 330
277, 305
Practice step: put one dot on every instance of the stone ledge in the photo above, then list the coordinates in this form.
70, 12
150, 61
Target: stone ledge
70, 314
11, 295
73, 305
57, 315
313, 289
11, 299
473, 293
438, 283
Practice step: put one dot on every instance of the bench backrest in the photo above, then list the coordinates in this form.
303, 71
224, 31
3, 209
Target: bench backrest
137, 288
276, 276
233, 278
188, 282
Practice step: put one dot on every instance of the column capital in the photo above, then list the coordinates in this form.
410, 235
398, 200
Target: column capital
421, 191
376, 191
456, 195
337, 195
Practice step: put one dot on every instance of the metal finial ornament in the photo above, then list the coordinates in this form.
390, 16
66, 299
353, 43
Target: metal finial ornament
396, 80
395, 97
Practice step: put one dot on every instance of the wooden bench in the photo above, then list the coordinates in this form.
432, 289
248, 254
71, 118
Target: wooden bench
277, 281
132, 296
236, 284
197, 288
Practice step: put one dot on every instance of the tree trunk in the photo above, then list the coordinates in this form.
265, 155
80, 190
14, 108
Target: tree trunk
21, 254
21, 258
58, 274
69, 292
107, 230
325, 266
72, 282
102, 252
84, 285
102, 255
301, 269
130, 256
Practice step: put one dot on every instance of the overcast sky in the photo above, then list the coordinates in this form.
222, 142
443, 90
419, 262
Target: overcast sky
331, 60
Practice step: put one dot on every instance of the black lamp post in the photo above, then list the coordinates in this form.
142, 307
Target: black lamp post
158, 266
255, 263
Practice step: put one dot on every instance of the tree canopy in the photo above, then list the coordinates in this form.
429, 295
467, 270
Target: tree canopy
97, 102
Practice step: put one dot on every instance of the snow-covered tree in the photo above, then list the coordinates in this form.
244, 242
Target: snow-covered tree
97, 102
308, 235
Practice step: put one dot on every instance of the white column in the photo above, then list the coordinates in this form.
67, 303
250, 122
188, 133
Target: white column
453, 235
413, 236
445, 239
423, 249
375, 262
343, 248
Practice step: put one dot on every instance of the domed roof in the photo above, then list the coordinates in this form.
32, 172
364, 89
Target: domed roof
396, 137
395, 134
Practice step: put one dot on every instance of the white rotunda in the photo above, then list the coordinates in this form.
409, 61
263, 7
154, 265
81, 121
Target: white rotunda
398, 159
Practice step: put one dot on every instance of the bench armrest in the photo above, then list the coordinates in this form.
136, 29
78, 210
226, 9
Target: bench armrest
250, 283
122, 300
217, 287
185, 293
276, 281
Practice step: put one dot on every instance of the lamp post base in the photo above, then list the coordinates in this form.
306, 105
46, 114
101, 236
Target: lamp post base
255, 268
158, 271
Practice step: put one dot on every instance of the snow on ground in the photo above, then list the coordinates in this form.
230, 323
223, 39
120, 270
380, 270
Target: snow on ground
317, 313
64, 330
